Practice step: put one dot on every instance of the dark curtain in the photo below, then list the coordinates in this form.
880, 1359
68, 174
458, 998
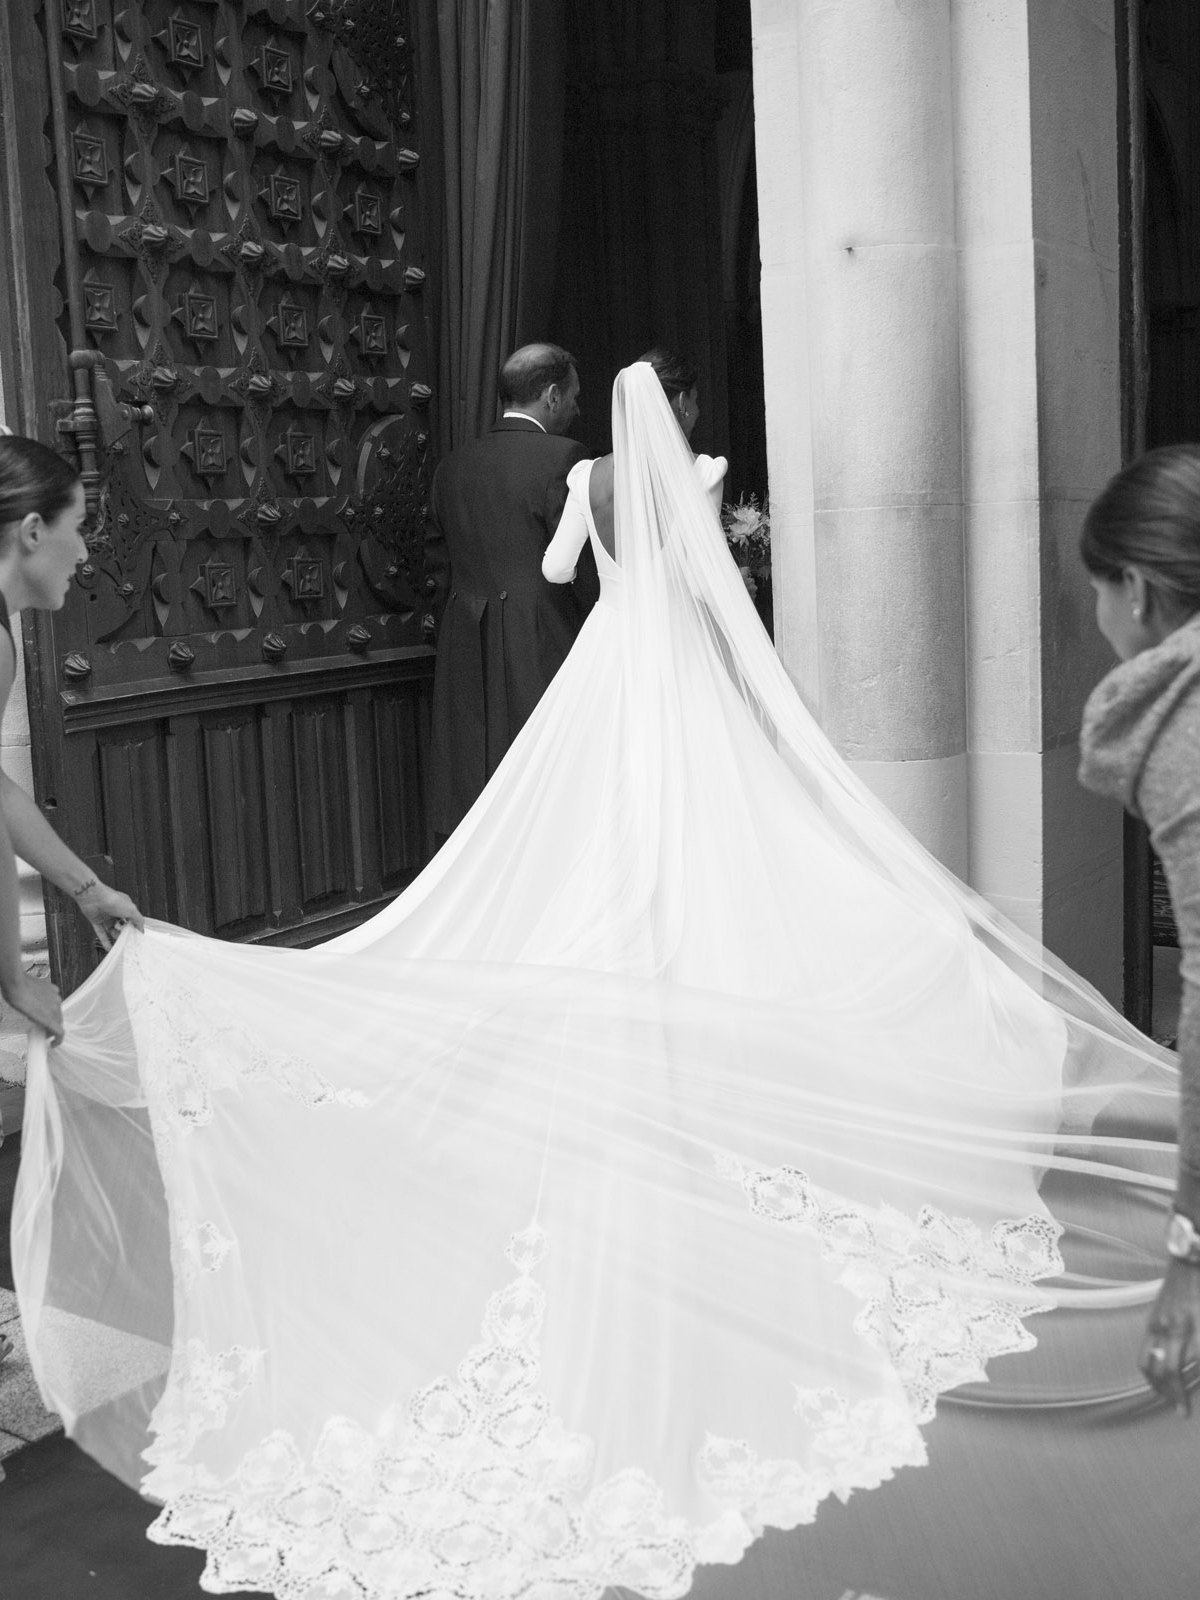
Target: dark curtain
502, 71
640, 251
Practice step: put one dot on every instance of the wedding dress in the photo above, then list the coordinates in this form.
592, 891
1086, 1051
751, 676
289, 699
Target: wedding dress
641, 1177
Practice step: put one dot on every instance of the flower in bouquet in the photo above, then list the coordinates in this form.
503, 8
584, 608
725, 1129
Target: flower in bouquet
747, 526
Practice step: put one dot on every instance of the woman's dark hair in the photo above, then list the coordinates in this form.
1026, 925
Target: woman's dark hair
676, 373
1148, 517
33, 478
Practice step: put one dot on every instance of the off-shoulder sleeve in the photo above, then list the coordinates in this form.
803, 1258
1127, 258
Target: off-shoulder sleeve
711, 471
562, 553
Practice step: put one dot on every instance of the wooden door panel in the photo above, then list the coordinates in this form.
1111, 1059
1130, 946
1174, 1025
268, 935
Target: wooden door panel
190, 877
236, 824
321, 779
243, 824
233, 705
401, 739
134, 805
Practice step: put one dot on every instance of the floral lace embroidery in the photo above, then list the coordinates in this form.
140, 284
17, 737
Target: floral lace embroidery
186, 1051
940, 1296
196, 1399
853, 1446
474, 1491
202, 1247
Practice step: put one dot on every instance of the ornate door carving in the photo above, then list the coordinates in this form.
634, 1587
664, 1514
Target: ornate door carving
232, 705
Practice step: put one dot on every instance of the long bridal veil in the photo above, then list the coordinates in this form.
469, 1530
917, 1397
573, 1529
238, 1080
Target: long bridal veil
638, 1179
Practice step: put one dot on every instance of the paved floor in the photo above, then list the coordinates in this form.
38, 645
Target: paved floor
69, 1531
23, 1418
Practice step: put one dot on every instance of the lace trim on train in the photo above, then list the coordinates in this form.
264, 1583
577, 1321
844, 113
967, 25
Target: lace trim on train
939, 1295
187, 1050
200, 1389
475, 1492
200, 1247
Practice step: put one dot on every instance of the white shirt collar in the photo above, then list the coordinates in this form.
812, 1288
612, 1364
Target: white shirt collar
525, 417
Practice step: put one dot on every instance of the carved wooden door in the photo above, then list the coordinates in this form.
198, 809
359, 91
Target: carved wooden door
232, 706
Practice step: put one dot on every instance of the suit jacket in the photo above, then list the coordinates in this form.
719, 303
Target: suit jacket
503, 631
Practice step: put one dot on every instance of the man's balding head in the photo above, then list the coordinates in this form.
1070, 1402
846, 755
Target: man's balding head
541, 381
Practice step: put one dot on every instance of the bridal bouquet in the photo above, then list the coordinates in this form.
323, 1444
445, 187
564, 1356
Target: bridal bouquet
747, 528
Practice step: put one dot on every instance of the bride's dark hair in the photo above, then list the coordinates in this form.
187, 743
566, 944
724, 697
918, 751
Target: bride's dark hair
1148, 517
675, 372
32, 478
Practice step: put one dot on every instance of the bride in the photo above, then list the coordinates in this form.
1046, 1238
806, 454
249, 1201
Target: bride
639, 1179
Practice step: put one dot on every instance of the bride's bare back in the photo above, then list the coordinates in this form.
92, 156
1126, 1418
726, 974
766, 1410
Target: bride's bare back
600, 499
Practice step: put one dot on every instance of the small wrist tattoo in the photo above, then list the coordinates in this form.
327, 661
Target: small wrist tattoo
91, 883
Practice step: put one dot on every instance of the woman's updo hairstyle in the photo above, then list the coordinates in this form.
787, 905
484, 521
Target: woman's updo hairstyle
1148, 517
676, 373
32, 478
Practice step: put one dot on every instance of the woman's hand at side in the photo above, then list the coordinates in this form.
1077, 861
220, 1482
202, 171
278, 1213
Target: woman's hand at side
37, 1000
1172, 1334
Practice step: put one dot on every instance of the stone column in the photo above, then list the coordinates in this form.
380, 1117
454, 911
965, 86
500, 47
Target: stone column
1037, 166
937, 188
854, 134
1075, 168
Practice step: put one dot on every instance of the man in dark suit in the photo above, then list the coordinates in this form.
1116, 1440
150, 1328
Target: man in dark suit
504, 631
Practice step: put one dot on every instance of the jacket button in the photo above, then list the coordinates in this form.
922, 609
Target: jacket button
504, 594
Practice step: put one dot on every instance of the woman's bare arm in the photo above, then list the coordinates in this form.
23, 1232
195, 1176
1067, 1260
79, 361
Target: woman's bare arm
33, 999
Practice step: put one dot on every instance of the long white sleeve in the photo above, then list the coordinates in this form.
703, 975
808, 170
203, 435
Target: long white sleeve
711, 471
562, 553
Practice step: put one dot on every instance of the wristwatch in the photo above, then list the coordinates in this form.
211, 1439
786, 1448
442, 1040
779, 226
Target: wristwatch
1183, 1241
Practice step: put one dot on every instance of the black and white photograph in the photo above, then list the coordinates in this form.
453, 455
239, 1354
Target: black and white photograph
600, 799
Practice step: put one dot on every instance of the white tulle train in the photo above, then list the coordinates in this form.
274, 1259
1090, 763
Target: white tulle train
639, 1179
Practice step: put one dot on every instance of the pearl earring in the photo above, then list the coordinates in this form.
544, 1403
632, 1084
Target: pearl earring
1137, 613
